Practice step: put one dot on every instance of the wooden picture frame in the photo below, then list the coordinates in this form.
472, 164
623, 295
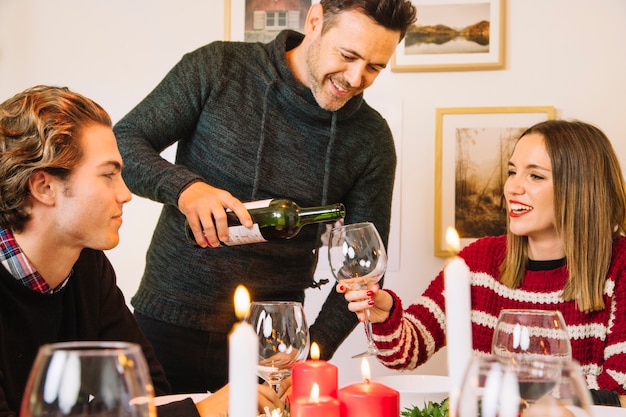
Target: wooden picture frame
262, 20
454, 35
472, 149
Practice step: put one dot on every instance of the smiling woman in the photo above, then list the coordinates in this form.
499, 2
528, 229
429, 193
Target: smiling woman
565, 250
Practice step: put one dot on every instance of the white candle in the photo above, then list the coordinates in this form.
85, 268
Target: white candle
458, 317
243, 351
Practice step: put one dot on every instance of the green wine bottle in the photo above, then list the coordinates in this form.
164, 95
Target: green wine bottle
274, 219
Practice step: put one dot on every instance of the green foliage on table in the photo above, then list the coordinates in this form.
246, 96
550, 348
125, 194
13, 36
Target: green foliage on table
430, 409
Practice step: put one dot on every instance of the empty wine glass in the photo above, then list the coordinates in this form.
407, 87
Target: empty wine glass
89, 379
358, 259
283, 338
532, 333
548, 386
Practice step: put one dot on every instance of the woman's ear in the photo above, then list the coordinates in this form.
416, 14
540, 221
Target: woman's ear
42, 187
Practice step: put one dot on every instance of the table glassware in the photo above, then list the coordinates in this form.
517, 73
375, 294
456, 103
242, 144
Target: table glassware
357, 259
532, 333
89, 379
546, 386
283, 338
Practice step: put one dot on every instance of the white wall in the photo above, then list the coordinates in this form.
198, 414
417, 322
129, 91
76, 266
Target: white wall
564, 53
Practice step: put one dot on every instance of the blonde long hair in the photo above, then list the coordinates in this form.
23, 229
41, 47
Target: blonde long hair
589, 210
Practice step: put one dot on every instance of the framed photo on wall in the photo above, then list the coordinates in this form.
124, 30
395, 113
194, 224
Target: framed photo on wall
472, 149
453, 35
262, 20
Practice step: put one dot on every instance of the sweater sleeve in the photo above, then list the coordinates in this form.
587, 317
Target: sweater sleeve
165, 116
613, 375
415, 333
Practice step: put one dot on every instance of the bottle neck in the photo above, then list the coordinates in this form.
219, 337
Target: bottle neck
322, 213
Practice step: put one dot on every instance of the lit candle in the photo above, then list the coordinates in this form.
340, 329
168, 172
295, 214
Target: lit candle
315, 405
314, 371
458, 316
243, 354
367, 398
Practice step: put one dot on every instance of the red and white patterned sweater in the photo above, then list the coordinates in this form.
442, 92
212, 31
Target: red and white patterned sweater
598, 339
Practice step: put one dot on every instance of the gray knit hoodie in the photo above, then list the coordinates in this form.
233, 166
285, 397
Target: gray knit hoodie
242, 122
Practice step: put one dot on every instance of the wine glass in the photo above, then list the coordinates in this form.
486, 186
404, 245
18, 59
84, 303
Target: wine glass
89, 379
531, 333
357, 258
283, 338
546, 386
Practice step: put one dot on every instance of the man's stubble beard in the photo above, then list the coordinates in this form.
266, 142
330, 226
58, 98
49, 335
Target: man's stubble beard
316, 81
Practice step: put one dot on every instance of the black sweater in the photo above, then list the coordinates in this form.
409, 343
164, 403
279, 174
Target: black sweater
90, 307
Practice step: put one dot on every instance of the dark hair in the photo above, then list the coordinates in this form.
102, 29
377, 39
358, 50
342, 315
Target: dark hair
397, 15
40, 130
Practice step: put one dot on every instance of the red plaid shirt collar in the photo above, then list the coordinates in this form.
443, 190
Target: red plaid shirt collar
14, 260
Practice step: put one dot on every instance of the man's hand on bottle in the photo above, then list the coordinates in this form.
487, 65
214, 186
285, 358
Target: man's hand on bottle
205, 208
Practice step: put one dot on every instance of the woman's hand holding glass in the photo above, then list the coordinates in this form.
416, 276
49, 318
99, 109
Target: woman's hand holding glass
378, 301
358, 260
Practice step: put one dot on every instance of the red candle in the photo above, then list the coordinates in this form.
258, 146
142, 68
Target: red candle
305, 374
368, 399
314, 405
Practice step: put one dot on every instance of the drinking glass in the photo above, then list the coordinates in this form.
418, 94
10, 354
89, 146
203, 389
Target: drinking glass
89, 379
548, 386
283, 338
531, 333
358, 259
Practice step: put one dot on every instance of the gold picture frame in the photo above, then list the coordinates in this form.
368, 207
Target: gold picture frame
242, 23
454, 35
472, 148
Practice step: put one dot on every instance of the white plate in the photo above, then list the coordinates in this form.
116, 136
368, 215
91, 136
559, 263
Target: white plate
166, 399
605, 411
415, 390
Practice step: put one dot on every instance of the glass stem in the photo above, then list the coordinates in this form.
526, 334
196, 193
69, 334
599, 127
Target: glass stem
368, 330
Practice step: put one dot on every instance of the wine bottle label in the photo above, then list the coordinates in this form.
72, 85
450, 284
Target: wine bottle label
258, 204
241, 235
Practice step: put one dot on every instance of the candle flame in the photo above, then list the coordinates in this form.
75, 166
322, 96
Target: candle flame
242, 302
315, 351
365, 370
315, 393
453, 242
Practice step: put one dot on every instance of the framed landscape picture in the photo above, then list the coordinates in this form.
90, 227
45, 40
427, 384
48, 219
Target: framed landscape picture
453, 35
472, 150
262, 20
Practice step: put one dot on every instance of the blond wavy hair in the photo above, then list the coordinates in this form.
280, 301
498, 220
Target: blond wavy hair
40, 130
